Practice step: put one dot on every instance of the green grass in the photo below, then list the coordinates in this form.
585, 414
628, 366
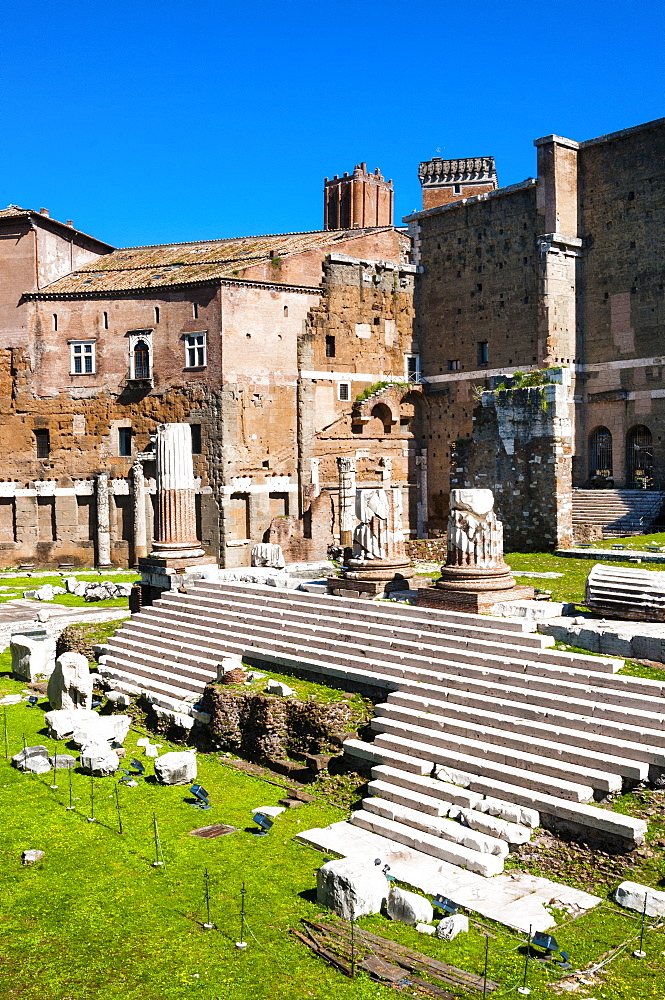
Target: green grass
95, 919
568, 587
14, 587
632, 541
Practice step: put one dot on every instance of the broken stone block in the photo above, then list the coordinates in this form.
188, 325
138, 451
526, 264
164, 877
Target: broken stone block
84, 726
351, 887
30, 857
272, 811
176, 768
62, 761
43, 593
21, 759
631, 895
99, 760
408, 907
70, 684
118, 699
37, 765
450, 927
279, 688
425, 928
11, 699
33, 656
71, 583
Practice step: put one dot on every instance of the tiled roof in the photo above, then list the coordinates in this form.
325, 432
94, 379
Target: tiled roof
15, 212
183, 263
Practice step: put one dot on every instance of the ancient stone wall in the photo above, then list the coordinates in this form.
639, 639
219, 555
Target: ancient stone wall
521, 449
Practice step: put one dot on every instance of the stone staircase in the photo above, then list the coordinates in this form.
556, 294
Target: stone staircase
617, 512
481, 731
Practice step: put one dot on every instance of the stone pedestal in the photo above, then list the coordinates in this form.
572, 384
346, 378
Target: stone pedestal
176, 549
475, 576
379, 563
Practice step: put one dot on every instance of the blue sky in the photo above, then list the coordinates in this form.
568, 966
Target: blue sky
156, 122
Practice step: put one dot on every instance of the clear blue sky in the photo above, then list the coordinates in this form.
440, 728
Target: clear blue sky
155, 122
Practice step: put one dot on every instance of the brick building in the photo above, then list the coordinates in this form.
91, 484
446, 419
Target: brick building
260, 343
565, 269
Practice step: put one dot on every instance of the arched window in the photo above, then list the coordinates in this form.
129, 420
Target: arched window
141, 360
639, 458
600, 454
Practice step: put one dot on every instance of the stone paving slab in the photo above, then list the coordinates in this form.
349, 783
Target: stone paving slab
517, 900
22, 613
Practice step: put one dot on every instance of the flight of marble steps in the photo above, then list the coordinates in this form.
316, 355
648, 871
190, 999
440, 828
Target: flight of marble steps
501, 717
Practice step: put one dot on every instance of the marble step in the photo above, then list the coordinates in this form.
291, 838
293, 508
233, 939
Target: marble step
427, 843
502, 730
492, 826
437, 826
499, 753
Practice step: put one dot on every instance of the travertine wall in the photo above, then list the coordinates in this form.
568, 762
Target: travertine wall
521, 449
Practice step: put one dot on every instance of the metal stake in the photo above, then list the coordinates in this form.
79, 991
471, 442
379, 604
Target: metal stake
353, 950
487, 949
209, 926
640, 953
24, 740
242, 943
159, 857
524, 990
117, 806
91, 817
70, 807
55, 766
6, 736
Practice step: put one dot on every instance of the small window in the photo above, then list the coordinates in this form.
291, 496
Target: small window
42, 440
483, 352
412, 367
195, 350
105, 317
125, 441
156, 314
344, 391
286, 311
55, 321
453, 366
330, 346
196, 439
141, 360
457, 188
82, 357
195, 310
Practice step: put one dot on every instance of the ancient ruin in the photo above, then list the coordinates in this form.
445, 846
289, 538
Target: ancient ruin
475, 576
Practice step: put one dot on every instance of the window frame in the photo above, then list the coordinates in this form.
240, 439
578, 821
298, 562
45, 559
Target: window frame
199, 350
347, 386
121, 453
415, 378
134, 338
77, 352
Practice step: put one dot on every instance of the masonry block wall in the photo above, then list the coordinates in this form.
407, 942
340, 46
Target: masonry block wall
521, 449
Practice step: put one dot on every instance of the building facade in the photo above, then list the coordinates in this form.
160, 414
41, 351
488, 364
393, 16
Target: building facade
565, 269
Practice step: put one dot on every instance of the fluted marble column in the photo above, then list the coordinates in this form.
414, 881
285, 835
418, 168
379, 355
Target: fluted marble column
138, 498
176, 494
103, 521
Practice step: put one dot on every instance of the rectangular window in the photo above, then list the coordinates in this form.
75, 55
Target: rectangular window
196, 439
82, 357
156, 314
330, 347
195, 350
43, 443
483, 352
195, 310
125, 441
344, 391
412, 367
106, 320
453, 366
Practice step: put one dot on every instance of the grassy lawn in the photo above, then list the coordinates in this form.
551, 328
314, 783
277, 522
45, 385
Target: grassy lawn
95, 919
13, 587
568, 587
632, 541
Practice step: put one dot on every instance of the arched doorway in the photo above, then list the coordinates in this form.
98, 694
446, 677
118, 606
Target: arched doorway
601, 472
639, 458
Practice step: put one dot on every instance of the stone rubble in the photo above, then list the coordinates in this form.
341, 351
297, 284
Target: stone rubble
70, 684
31, 857
408, 907
351, 887
176, 768
631, 896
450, 927
99, 591
33, 656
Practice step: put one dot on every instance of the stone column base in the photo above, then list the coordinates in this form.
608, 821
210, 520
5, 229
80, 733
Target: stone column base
471, 602
342, 586
158, 575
